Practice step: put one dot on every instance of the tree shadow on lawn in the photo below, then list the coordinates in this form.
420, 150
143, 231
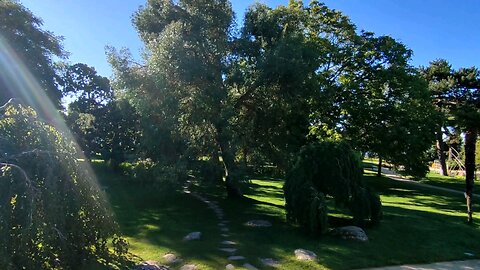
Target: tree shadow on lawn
404, 236
155, 225
411, 232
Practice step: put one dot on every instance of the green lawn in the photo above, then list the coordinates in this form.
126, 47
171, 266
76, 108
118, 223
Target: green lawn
451, 182
419, 226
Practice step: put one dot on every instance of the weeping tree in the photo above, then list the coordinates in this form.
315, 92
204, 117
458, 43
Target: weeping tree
328, 169
53, 216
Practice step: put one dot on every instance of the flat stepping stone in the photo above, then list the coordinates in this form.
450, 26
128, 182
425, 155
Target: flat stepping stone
270, 262
249, 266
225, 235
189, 267
227, 242
351, 233
151, 265
193, 236
228, 250
171, 258
230, 267
224, 229
258, 223
236, 258
305, 255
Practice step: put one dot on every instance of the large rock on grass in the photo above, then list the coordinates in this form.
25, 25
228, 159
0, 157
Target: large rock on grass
351, 233
258, 223
305, 255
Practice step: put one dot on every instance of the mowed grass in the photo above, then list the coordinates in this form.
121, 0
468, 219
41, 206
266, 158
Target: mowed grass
420, 225
451, 182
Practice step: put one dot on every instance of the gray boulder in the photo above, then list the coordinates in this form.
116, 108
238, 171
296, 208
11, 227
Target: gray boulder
351, 233
193, 236
305, 255
258, 223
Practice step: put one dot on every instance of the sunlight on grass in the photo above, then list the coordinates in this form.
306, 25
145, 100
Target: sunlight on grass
419, 226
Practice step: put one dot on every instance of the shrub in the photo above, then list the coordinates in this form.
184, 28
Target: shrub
164, 177
327, 169
53, 216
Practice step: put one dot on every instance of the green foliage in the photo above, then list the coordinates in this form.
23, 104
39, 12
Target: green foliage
327, 169
102, 124
22, 32
166, 178
179, 90
53, 214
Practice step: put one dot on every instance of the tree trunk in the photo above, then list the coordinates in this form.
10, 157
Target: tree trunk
379, 171
470, 145
441, 152
228, 164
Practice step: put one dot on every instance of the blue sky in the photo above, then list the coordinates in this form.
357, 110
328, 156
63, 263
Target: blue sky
431, 28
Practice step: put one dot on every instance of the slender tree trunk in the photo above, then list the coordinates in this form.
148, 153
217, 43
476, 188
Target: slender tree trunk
470, 145
441, 152
379, 171
228, 164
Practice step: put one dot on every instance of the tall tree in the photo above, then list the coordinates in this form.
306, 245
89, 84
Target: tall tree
459, 97
386, 107
288, 62
22, 36
464, 101
187, 44
103, 124
440, 80
89, 94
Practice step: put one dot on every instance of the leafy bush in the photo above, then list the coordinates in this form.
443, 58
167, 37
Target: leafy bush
328, 169
53, 216
164, 177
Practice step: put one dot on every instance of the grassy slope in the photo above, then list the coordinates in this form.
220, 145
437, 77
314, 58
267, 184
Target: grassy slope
420, 225
452, 182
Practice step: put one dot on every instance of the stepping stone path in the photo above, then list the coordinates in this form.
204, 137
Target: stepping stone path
351, 233
226, 245
305, 255
258, 223
151, 265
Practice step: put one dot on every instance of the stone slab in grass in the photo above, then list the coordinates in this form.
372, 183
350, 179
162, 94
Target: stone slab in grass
228, 243
193, 236
236, 258
171, 258
351, 233
229, 250
189, 267
230, 267
258, 223
249, 266
305, 255
270, 262
151, 265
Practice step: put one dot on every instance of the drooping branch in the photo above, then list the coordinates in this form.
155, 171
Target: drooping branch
30, 187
